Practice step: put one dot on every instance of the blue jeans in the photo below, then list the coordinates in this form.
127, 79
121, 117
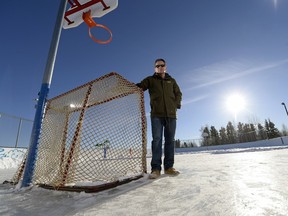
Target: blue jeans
169, 127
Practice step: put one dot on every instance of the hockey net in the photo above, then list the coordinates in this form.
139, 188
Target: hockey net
92, 136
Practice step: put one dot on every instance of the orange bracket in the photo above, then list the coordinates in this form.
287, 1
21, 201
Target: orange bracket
91, 24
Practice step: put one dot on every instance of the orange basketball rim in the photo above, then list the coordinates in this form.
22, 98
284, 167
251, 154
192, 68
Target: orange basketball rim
84, 11
91, 24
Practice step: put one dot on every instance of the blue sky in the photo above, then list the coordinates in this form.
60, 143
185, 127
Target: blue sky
213, 48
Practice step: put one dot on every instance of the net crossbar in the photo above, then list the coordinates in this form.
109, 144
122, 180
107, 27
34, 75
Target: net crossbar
91, 136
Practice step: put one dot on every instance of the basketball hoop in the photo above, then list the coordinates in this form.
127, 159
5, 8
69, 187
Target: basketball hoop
91, 24
84, 11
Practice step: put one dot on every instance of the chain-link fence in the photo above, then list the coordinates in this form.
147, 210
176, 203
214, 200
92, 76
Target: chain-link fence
14, 131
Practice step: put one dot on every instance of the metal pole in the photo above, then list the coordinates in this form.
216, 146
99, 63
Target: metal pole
19, 126
15, 117
285, 108
18, 132
43, 94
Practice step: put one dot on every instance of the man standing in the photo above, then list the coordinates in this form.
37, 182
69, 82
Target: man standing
165, 99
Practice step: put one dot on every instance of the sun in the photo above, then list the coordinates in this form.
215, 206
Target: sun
235, 103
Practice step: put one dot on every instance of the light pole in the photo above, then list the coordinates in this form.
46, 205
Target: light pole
285, 108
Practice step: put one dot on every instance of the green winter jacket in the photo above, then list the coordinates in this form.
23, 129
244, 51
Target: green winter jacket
165, 95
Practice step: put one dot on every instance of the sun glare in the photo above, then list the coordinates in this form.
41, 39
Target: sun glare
275, 4
235, 103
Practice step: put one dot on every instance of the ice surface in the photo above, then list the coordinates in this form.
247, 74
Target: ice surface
250, 181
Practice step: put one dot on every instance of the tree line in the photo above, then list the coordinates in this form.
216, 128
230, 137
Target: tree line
243, 132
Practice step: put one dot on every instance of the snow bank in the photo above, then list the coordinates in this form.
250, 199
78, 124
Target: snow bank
261, 144
11, 157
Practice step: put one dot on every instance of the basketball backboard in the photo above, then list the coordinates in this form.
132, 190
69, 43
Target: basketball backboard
74, 15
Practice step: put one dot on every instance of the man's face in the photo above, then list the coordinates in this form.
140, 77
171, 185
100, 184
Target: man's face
160, 67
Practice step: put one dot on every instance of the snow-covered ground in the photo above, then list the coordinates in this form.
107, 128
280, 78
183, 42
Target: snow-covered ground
213, 181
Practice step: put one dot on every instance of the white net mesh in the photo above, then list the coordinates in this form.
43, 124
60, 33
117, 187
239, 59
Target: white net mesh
94, 133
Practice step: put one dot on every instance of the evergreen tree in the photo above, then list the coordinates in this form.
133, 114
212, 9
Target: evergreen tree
244, 133
223, 136
262, 135
206, 136
272, 132
231, 133
253, 134
241, 133
214, 136
249, 131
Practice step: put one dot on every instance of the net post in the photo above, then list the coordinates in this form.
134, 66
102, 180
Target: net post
144, 138
76, 135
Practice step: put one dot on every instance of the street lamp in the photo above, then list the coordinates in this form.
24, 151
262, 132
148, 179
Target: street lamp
285, 107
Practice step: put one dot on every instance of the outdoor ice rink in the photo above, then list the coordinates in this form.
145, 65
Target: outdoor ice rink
251, 181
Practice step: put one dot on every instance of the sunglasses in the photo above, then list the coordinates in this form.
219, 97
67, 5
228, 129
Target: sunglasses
162, 65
